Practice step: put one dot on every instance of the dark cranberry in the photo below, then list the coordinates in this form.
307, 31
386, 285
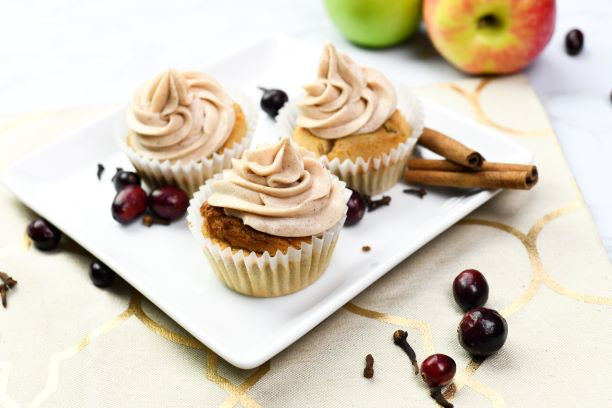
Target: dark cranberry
438, 370
272, 101
44, 234
482, 331
574, 40
129, 204
356, 209
168, 202
470, 289
101, 275
123, 178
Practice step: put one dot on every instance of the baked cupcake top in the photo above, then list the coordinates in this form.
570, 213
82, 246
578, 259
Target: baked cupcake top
180, 115
346, 99
280, 189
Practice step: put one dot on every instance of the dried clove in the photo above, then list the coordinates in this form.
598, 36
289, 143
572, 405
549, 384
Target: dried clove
368, 371
7, 284
421, 192
3, 291
436, 394
100, 171
374, 204
7, 280
400, 339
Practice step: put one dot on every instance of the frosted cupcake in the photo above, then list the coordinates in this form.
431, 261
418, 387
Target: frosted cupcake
269, 225
361, 126
184, 127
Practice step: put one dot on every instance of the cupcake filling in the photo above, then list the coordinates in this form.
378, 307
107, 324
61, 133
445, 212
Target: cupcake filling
281, 190
180, 115
346, 99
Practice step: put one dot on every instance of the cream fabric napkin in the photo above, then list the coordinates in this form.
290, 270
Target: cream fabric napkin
65, 343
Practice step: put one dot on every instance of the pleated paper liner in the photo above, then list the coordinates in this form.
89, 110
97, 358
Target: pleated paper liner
264, 275
375, 175
191, 175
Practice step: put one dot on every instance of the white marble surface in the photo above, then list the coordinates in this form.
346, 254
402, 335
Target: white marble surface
67, 53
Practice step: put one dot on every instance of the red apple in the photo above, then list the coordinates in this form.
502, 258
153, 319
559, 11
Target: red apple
489, 36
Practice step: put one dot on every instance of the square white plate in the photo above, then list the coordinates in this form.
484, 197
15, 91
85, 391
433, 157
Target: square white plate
59, 182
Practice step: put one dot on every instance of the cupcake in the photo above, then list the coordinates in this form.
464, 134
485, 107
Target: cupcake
183, 127
357, 122
269, 225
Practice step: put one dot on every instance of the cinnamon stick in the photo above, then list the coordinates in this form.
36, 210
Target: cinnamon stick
445, 165
451, 149
518, 180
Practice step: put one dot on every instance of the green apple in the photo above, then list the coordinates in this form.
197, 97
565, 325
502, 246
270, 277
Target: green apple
375, 23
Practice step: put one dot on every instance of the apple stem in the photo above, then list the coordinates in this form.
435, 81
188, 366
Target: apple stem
488, 20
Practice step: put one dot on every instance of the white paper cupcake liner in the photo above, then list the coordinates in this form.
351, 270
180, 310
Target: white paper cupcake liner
264, 275
191, 175
375, 175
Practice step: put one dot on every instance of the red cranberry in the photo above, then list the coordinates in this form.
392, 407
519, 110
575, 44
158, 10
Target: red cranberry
44, 234
272, 101
168, 202
470, 289
356, 209
129, 204
101, 275
574, 40
123, 178
438, 370
482, 331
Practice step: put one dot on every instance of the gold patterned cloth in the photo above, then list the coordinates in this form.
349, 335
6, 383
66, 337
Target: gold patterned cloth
65, 343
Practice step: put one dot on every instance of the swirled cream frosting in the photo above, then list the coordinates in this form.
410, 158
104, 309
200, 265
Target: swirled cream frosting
282, 190
346, 99
180, 115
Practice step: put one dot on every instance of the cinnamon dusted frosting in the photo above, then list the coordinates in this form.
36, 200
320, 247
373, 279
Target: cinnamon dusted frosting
282, 190
346, 99
180, 115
